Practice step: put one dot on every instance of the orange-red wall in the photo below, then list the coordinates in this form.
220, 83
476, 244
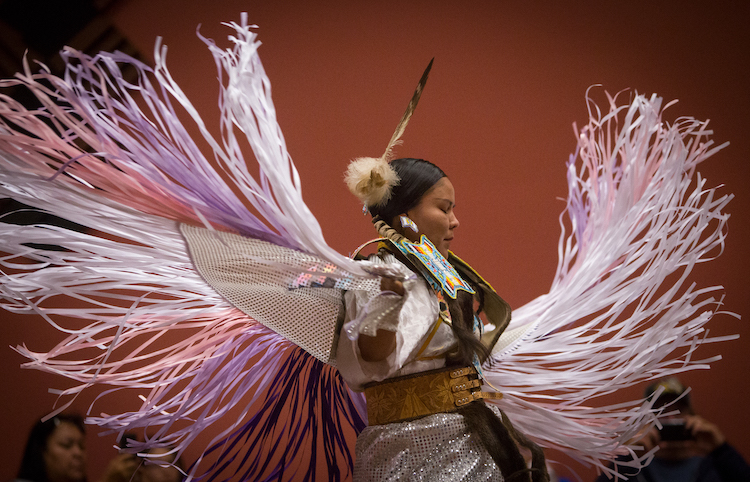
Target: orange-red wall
509, 80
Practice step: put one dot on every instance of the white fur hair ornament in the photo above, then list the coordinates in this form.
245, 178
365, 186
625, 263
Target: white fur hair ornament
372, 179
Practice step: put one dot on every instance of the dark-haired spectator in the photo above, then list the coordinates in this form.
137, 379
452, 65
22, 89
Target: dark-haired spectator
55, 451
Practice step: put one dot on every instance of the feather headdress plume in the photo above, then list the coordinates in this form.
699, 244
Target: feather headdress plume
372, 179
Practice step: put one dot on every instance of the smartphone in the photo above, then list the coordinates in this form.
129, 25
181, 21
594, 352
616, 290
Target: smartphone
674, 429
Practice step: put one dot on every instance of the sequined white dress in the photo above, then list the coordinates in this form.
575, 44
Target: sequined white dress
438, 447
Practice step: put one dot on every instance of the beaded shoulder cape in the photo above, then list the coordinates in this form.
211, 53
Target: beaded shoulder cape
172, 253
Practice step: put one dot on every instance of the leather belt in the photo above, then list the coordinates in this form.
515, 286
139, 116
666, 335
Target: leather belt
413, 396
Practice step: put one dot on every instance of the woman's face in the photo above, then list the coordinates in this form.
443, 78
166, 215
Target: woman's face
434, 216
65, 455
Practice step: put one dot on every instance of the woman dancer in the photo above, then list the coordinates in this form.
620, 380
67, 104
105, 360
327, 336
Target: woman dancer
415, 349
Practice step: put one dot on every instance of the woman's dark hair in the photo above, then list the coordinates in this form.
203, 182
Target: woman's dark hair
416, 177
32, 464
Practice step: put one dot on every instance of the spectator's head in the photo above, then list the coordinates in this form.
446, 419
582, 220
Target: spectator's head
676, 442
672, 394
55, 451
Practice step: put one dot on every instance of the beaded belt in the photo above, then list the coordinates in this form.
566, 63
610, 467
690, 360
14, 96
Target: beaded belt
413, 396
